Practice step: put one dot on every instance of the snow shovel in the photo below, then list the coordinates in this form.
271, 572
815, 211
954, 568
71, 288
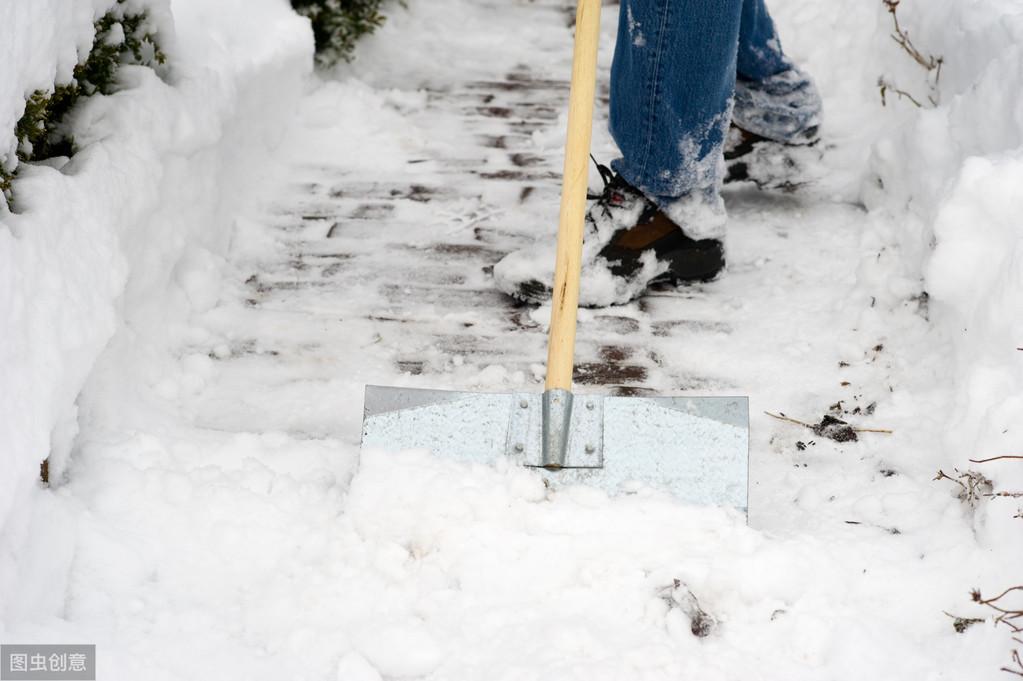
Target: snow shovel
696, 448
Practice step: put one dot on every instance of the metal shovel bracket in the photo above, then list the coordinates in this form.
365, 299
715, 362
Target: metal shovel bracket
574, 437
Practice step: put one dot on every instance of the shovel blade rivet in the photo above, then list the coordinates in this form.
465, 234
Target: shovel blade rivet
589, 405
519, 447
590, 449
524, 404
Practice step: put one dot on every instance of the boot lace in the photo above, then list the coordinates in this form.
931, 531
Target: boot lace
606, 174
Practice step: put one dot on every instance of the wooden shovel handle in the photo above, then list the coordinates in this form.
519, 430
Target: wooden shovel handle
561, 340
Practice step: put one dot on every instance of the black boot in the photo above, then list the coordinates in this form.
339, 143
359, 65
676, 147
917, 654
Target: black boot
629, 244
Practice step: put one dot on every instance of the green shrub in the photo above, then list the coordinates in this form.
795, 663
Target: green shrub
122, 37
6, 196
338, 24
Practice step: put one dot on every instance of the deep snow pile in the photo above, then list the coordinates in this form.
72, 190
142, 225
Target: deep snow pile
945, 192
140, 208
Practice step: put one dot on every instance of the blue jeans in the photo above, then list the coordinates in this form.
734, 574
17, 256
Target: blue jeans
679, 65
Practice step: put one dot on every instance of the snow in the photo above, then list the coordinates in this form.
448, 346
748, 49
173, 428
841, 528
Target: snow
953, 169
210, 514
139, 212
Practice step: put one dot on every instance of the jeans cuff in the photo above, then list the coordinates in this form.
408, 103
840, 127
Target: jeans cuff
701, 215
695, 176
785, 107
693, 203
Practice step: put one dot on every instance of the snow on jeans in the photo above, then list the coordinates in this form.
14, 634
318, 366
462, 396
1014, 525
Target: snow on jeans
677, 65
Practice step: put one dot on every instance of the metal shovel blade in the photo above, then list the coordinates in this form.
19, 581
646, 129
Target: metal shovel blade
696, 448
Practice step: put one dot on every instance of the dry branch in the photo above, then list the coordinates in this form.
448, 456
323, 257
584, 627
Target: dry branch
1008, 615
930, 63
818, 426
885, 86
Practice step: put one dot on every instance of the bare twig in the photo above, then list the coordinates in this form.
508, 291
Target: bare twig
942, 475
996, 458
961, 624
1009, 616
978, 598
885, 87
928, 62
782, 417
1015, 660
973, 485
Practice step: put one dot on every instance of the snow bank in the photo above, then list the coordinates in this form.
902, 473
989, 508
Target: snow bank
140, 209
950, 175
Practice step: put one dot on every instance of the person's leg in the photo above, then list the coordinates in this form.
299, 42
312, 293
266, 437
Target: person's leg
672, 82
773, 98
759, 50
660, 217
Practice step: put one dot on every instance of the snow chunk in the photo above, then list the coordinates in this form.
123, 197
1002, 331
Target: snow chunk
401, 649
354, 667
